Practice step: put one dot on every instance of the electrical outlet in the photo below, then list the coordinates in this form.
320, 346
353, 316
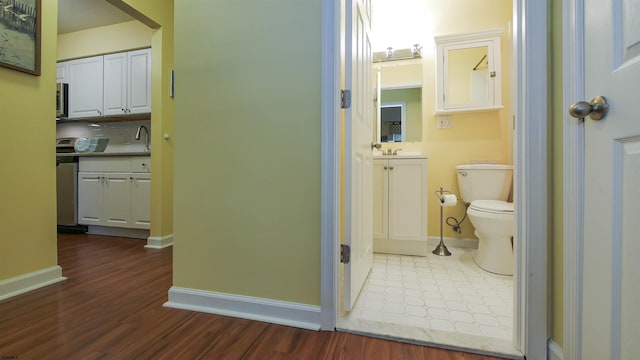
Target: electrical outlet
444, 122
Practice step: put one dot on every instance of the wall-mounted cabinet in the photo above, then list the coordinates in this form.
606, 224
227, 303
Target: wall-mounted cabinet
115, 84
400, 206
468, 72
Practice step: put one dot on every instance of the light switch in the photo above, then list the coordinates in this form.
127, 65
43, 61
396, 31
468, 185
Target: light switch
444, 122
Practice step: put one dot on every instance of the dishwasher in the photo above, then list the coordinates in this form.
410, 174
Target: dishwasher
67, 187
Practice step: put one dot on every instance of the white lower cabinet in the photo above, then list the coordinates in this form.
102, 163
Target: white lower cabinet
400, 206
115, 196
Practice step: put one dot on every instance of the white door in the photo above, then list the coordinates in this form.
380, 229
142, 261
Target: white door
611, 295
115, 84
357, 151
408, 209
117, 199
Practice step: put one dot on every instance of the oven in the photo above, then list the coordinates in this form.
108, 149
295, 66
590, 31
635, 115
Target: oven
67, 186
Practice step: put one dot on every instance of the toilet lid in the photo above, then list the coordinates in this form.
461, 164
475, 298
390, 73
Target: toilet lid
492, 206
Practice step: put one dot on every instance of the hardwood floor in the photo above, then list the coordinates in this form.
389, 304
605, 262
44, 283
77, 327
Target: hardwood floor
111, 308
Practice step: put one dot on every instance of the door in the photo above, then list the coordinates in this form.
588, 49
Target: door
610, 293
408, 200
90, 198
115, 84
380, 198
358, 210
85, 87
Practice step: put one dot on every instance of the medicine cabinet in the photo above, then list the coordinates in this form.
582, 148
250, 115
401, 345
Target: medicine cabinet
468, 72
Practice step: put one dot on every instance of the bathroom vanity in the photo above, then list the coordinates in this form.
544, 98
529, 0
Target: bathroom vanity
400, 205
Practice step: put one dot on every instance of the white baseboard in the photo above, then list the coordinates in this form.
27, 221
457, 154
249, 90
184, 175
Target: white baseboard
554, 351
116, 231
453, 242
159, 242
31, 281
246, 307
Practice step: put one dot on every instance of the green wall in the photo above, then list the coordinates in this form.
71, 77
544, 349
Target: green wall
247, 148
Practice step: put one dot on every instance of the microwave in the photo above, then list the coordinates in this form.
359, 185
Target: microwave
62, 100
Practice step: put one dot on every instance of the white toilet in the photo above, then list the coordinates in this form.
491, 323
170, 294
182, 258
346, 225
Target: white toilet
486, 187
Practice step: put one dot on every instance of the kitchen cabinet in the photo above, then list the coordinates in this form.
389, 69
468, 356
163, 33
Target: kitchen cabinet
62, 72
115, 84
114, 191
400, 205
127, 83
86, 87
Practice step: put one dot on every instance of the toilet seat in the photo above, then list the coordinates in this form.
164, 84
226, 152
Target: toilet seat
492, 206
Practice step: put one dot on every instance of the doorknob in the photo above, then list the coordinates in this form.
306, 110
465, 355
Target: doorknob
596, 110
376, 146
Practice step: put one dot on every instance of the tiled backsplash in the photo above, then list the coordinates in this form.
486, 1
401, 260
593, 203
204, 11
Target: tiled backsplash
121, 134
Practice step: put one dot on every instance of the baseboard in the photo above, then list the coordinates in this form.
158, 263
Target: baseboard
159, 242
400, 247
465, 243
246, 307
554, 352
116, 231
31, 281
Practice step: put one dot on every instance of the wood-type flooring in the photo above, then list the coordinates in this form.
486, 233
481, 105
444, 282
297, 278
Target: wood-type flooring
110, 307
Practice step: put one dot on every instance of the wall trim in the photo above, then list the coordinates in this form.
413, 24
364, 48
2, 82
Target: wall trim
330, 164
31, 281
531, 182
159, 242
117, 231
554, 351
573, 181
245, 307
461, 243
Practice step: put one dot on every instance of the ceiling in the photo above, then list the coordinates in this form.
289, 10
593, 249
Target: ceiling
76, 15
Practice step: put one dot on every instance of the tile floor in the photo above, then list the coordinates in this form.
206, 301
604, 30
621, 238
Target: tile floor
435, 299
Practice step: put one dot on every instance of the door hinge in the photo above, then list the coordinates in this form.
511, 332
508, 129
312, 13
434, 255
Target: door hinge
345, 254
345, 99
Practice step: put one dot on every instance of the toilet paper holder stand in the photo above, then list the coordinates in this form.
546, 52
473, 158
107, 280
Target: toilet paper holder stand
441, 249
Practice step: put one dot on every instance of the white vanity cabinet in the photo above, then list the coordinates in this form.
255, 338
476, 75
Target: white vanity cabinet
400, 205
114, 191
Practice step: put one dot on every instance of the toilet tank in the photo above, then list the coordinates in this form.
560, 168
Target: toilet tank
484, 181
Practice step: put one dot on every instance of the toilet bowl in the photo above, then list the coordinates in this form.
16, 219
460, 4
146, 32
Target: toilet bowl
494, 222
486, 187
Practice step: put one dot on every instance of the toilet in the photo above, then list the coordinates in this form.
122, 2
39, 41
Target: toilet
486, 188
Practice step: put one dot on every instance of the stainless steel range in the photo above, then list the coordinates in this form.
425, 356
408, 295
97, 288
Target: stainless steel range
67, 186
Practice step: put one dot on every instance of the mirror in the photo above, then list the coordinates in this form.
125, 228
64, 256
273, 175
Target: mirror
468, 72
399, 101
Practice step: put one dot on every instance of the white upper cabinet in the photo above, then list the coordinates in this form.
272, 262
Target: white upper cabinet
468, 72
127, 83
115, 84
62, 72
85, 87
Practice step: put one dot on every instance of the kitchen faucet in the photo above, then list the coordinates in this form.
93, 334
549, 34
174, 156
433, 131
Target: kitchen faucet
146, 138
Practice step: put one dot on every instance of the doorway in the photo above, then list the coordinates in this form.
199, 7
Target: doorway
530, 160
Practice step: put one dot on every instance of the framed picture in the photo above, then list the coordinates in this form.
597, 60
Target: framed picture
20, 35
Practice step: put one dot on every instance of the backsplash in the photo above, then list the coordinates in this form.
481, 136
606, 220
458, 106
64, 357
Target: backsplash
121, 134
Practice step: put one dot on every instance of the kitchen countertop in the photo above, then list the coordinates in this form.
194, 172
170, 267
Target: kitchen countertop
100, 154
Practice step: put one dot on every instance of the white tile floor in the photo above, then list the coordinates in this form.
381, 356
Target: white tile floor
446, 300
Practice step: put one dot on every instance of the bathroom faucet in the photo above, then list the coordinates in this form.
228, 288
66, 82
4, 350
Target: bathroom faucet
395, 152
146, 138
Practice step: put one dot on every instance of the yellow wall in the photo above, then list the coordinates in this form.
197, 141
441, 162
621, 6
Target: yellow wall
153, 27
247, 183
27, 186
103, 40
472, 136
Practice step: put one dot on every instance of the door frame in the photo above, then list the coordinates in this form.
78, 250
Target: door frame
573, 82
529, 98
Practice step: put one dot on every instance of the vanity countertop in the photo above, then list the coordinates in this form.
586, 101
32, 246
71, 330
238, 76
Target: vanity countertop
385, 157
100, 154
